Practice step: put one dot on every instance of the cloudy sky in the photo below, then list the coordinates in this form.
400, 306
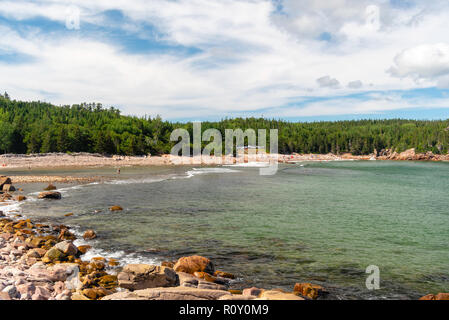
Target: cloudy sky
209, 59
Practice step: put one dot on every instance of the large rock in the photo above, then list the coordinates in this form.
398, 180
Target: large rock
194, 264
49, 195
309, 290
53, 255
8, 188
142, 276
175, 293
4, 180
50, 187
439, 296
89, 235
67, 247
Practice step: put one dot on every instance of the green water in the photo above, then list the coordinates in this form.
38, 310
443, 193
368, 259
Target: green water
318, 222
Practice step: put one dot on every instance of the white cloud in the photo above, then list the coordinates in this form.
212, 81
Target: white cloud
424, 61
250, 57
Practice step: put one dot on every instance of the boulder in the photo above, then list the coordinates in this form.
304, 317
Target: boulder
309, 290
89, 235
115, 208
8, 188
49, 195
67, 247
84, 249
194, 264
53, 255
4, 180
20, 198
278, 295
50, 187
142, 276
174, 293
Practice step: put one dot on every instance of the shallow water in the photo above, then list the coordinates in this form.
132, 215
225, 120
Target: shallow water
323, 222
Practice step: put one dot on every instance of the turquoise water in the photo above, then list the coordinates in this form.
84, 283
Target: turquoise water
318, 222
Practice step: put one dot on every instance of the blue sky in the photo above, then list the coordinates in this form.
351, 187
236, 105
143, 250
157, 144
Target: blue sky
208, 59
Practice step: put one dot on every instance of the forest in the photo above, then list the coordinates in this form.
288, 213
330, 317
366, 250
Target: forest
40, 127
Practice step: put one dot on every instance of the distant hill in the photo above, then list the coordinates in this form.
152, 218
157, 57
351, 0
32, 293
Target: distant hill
39, 127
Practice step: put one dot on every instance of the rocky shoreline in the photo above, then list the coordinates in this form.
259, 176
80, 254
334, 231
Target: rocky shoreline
41, 262
83, 160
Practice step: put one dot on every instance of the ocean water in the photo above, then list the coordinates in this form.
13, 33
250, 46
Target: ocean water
321, 222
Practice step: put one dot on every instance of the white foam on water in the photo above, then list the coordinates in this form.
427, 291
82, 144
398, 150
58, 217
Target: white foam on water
122, 257
136, 181
197, 171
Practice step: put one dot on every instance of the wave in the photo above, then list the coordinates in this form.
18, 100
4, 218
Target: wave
198, 171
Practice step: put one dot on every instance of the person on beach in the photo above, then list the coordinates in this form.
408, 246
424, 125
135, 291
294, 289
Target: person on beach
118, 170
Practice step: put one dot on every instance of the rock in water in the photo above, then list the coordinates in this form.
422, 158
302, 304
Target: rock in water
194, 264
49, 195
20, 198
309, 290
115, 208
89, 235
8, 188
4, 180
50, 187
143, 276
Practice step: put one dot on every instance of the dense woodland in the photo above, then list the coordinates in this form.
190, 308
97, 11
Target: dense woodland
39, 127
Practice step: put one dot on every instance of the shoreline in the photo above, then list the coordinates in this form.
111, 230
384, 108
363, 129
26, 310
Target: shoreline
86, 160
39, 261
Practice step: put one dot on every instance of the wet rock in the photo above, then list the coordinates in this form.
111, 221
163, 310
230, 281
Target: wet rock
194, 264
20, 198
67, 247
115, 208
8, 188
309, 290
68, 214
142, 276
173, 293
49, 195
224, 274
50, 187
53, 255
84, 249
442, 296
168, 264
205, 276
89, 235
4, 180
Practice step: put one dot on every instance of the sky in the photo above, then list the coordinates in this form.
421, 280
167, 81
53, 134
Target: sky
210, 59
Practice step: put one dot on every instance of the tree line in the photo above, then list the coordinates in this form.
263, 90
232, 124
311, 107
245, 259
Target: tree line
40, 127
